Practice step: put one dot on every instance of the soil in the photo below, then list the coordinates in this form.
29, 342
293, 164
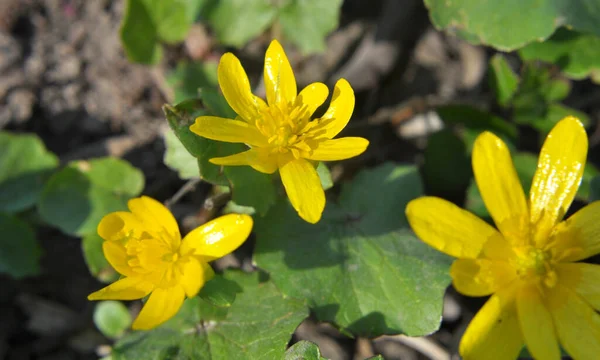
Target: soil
64, 76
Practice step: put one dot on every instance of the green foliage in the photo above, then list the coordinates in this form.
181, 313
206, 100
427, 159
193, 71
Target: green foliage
511, 24
91, 246
303, 22
258, 325
25, 164
360, 267
595, 189
147, 23
187, 78
577, 54
324, 176
112, 318
251, 188
178, 158
19, 250
503, 80
77, 197
303, 350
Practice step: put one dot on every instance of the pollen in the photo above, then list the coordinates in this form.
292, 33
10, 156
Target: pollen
535, 265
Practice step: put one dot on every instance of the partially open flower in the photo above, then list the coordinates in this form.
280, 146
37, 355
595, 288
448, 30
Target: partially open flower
145, 246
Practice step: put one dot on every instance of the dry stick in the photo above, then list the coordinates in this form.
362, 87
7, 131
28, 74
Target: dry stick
187, 187
423, 345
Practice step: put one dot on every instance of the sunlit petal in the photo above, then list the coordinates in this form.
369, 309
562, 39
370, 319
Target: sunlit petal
217, 237
559, 172
448, 228
500, 188
116, 255
119, 225
481, 277
162, 305
129, 288
156, 218
578, 237
494, 332
227, 130
340, 110
280, 82
312, 96
536, 324
260, 161
339, 149
582, 278
236, 89
193, 276
304, 189
577, 323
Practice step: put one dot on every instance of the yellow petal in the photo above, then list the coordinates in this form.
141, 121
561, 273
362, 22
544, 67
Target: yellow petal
577, 324
116, 255
227, 130
312, 96
304, 189
162, 305
578, 237
500, 188
494, 332
481, 277
559, 172
280, 82
217, 237
259, 160
193, 275
582, 278
340, 110
236, 89
119, 225
156, 218
448, 228
536, 324
129, 288
339, 149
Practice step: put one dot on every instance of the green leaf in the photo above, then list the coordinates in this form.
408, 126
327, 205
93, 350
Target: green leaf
180, 117
177, 158
554, 114
251, 188
360, 267
324, 176
220, 291
76, 198
577, 54
236, 22
510, 24
25, 165
594, 189
258, 325
447, 168
91, 245
19, 250
112, 318
526, 165
187, 78
503, 79
139, 35
306, 23
303, 350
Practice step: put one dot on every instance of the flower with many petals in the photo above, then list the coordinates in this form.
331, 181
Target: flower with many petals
280, 132
145, 246
541, 296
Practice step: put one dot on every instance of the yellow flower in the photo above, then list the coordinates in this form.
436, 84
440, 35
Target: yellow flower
541, 295
280, 134
144, 245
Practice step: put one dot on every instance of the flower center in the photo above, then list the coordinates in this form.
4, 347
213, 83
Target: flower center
154, 258
284, 128
533, 264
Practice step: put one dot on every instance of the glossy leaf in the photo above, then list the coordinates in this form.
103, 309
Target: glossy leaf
19, 250
91, 246
258, 325
25, 165
177, 157
503, 79
509, 25
360, 267
187, 78
112, 318
577, 54
303, 350
251, 188
77, 197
